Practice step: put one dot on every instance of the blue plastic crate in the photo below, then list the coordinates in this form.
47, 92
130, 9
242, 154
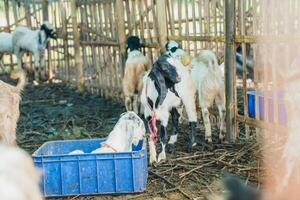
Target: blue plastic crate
90, 174
282, 116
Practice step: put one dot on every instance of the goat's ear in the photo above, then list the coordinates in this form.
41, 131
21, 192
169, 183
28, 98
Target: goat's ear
166, 46
43, 27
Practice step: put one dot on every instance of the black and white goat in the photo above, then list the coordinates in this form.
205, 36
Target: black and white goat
136, 66
167, 84
34, 41
209, 84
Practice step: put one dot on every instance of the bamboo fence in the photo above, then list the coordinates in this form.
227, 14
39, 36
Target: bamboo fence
90, 50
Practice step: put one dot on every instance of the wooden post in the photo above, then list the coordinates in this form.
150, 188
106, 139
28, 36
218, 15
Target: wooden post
49, 63
65, 42
162, 23
6, 4
229, 68
76, 37
120, 18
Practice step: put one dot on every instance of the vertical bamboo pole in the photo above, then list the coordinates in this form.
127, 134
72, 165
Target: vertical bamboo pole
78, 61
120, 18
229, 56
171, 16
65, 42
6, 4
28, 22
46, 18
14, 5
162, 23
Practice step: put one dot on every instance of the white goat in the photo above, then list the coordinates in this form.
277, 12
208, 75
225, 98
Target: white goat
168, 83
35, 41
130, 129
9, 107
136, 66
19, 179
207, 77
5, 44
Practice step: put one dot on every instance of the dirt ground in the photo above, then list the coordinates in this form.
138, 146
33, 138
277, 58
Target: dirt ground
57, 111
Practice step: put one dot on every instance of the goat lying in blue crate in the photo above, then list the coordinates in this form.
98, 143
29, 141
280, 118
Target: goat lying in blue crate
128, 131
121, 167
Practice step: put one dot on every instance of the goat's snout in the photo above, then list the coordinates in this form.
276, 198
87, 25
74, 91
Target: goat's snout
185, 59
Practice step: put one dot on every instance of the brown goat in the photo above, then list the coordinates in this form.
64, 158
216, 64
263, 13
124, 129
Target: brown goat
9, 107
136, 66
19, 179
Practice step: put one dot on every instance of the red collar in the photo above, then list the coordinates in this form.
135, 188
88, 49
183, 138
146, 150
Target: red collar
105, 144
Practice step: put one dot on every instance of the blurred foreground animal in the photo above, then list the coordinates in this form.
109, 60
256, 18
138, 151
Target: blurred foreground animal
19, 179
235, 189
164, 88
9, 107
135, 67
128, 131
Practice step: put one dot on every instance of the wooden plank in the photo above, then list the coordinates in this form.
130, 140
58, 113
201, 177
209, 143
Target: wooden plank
78, 60
120, 19
162, 23
229, 57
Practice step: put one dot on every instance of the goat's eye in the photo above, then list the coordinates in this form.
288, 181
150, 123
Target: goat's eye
173, 49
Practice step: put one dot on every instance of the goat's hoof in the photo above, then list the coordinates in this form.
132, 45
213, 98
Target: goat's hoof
221, 139
161, 157
208, 140
170, 147
152, 160
190, 147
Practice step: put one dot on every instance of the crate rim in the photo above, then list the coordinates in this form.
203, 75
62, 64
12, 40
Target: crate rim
34, 154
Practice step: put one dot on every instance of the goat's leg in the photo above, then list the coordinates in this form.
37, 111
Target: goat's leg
163, 142
190, 107
135, 103
1, 63
128, 103
164, 118
222, 122
152, 151
37, 68
220, 101
205, 115
192, 128
18, 54
175, 119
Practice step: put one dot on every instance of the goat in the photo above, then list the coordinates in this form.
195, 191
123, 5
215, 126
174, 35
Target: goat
235, 189
9, 107
207, 77
19, 179
130, 129
35, 41
167, 84
5, 44
135, 67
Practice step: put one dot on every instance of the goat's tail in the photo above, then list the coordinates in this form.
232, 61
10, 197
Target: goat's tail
19, 74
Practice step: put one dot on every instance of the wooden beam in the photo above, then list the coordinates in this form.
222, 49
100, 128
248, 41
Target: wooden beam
162, 23
229, 56
120, 18
76, 36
